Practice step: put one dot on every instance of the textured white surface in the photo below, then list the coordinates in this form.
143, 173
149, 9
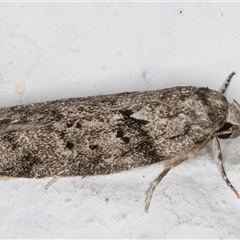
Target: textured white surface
55, 50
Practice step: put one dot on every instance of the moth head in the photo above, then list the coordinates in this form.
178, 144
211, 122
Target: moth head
232, 122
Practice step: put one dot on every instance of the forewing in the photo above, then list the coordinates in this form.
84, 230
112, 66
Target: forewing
106, 134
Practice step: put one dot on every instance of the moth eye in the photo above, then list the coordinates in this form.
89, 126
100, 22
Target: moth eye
225, 127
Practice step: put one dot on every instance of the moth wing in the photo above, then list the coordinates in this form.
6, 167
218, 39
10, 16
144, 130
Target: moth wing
107, 134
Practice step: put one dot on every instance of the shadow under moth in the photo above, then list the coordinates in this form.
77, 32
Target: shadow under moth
112, 133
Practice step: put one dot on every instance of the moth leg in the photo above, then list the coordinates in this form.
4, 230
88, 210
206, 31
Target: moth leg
153, 186
170, 163
50, 183
225, 86
229, 131
218, 157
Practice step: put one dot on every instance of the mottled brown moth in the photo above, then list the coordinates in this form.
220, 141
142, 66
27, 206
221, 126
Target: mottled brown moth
112, 133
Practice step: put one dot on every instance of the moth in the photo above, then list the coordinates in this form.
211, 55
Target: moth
112, 133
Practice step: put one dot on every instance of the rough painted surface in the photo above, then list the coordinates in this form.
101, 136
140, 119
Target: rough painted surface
85, 49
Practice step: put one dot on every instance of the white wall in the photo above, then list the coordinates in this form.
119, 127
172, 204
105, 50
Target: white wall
58, 50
